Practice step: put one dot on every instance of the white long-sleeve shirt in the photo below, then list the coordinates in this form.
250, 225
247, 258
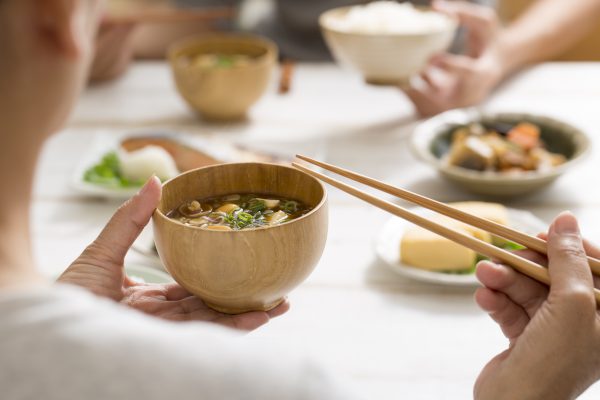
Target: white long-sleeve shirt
62, 343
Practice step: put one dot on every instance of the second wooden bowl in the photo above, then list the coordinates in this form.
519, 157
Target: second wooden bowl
220, 93
246, 270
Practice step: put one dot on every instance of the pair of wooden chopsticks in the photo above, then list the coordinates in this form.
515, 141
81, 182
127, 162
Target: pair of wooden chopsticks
527, 267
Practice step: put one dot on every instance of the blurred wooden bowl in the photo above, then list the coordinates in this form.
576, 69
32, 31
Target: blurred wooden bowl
240, 271
223, 93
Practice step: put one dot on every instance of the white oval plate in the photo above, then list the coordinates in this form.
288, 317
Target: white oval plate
144, 247
104, 142
387, 247
143, 274
139, 273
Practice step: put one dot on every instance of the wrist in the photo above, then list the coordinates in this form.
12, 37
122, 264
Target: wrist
508, 55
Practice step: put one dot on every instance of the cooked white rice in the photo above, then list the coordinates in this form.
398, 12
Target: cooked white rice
383, 17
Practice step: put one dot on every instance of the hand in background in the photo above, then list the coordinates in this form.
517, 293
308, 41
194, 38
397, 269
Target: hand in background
554, 333
100, 270
114, 50
452, 81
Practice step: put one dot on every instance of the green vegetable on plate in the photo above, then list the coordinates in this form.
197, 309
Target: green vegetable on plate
108, 173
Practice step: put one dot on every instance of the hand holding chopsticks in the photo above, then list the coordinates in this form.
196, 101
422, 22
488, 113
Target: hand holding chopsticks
527, 267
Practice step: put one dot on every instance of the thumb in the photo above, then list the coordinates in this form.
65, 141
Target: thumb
569, 270
128, 222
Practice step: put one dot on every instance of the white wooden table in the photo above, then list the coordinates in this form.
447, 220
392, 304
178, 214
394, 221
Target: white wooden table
395, 338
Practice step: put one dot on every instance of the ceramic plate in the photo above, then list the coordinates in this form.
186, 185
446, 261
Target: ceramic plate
106, 142
387, 247
140, 273
144, 246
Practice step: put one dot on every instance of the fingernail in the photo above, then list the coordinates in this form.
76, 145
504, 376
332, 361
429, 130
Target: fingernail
566, 224
148, 183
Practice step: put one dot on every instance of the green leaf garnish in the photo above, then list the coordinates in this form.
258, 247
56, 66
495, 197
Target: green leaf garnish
290, 207
108, 173
240, 219
508, 245
256, 205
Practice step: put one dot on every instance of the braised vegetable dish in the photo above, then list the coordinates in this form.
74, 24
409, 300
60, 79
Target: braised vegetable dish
506, 148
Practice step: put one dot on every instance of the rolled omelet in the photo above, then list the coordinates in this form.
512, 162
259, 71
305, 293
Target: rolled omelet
423, 249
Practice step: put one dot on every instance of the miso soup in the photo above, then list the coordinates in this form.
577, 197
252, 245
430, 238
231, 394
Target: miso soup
210, 61
238, 211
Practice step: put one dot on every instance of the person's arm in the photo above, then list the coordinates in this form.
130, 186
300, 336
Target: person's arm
120, 41
150, 41
546, 29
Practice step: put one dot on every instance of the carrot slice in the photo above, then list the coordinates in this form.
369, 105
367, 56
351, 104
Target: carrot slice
525, 135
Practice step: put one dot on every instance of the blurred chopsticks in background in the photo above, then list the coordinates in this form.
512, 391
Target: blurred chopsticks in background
287, 74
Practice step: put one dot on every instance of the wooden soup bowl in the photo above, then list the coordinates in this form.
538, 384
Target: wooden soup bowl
223, 94
246, 270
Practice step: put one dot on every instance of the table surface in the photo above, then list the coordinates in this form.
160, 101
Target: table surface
392, 336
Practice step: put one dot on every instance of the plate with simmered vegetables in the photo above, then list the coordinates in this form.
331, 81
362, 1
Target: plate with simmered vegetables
499, 154
422, 255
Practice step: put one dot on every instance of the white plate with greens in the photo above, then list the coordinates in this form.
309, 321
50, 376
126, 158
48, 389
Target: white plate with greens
99, 177
387, 248
98, 173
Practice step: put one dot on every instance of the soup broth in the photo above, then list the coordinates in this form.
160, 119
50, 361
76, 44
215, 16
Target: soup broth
219, 60
238, 211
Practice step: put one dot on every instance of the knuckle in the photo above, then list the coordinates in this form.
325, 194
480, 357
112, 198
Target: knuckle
570, 246
505, 315
572, 252
509, 318
580, 296
98, 251
125, 214
104, 249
